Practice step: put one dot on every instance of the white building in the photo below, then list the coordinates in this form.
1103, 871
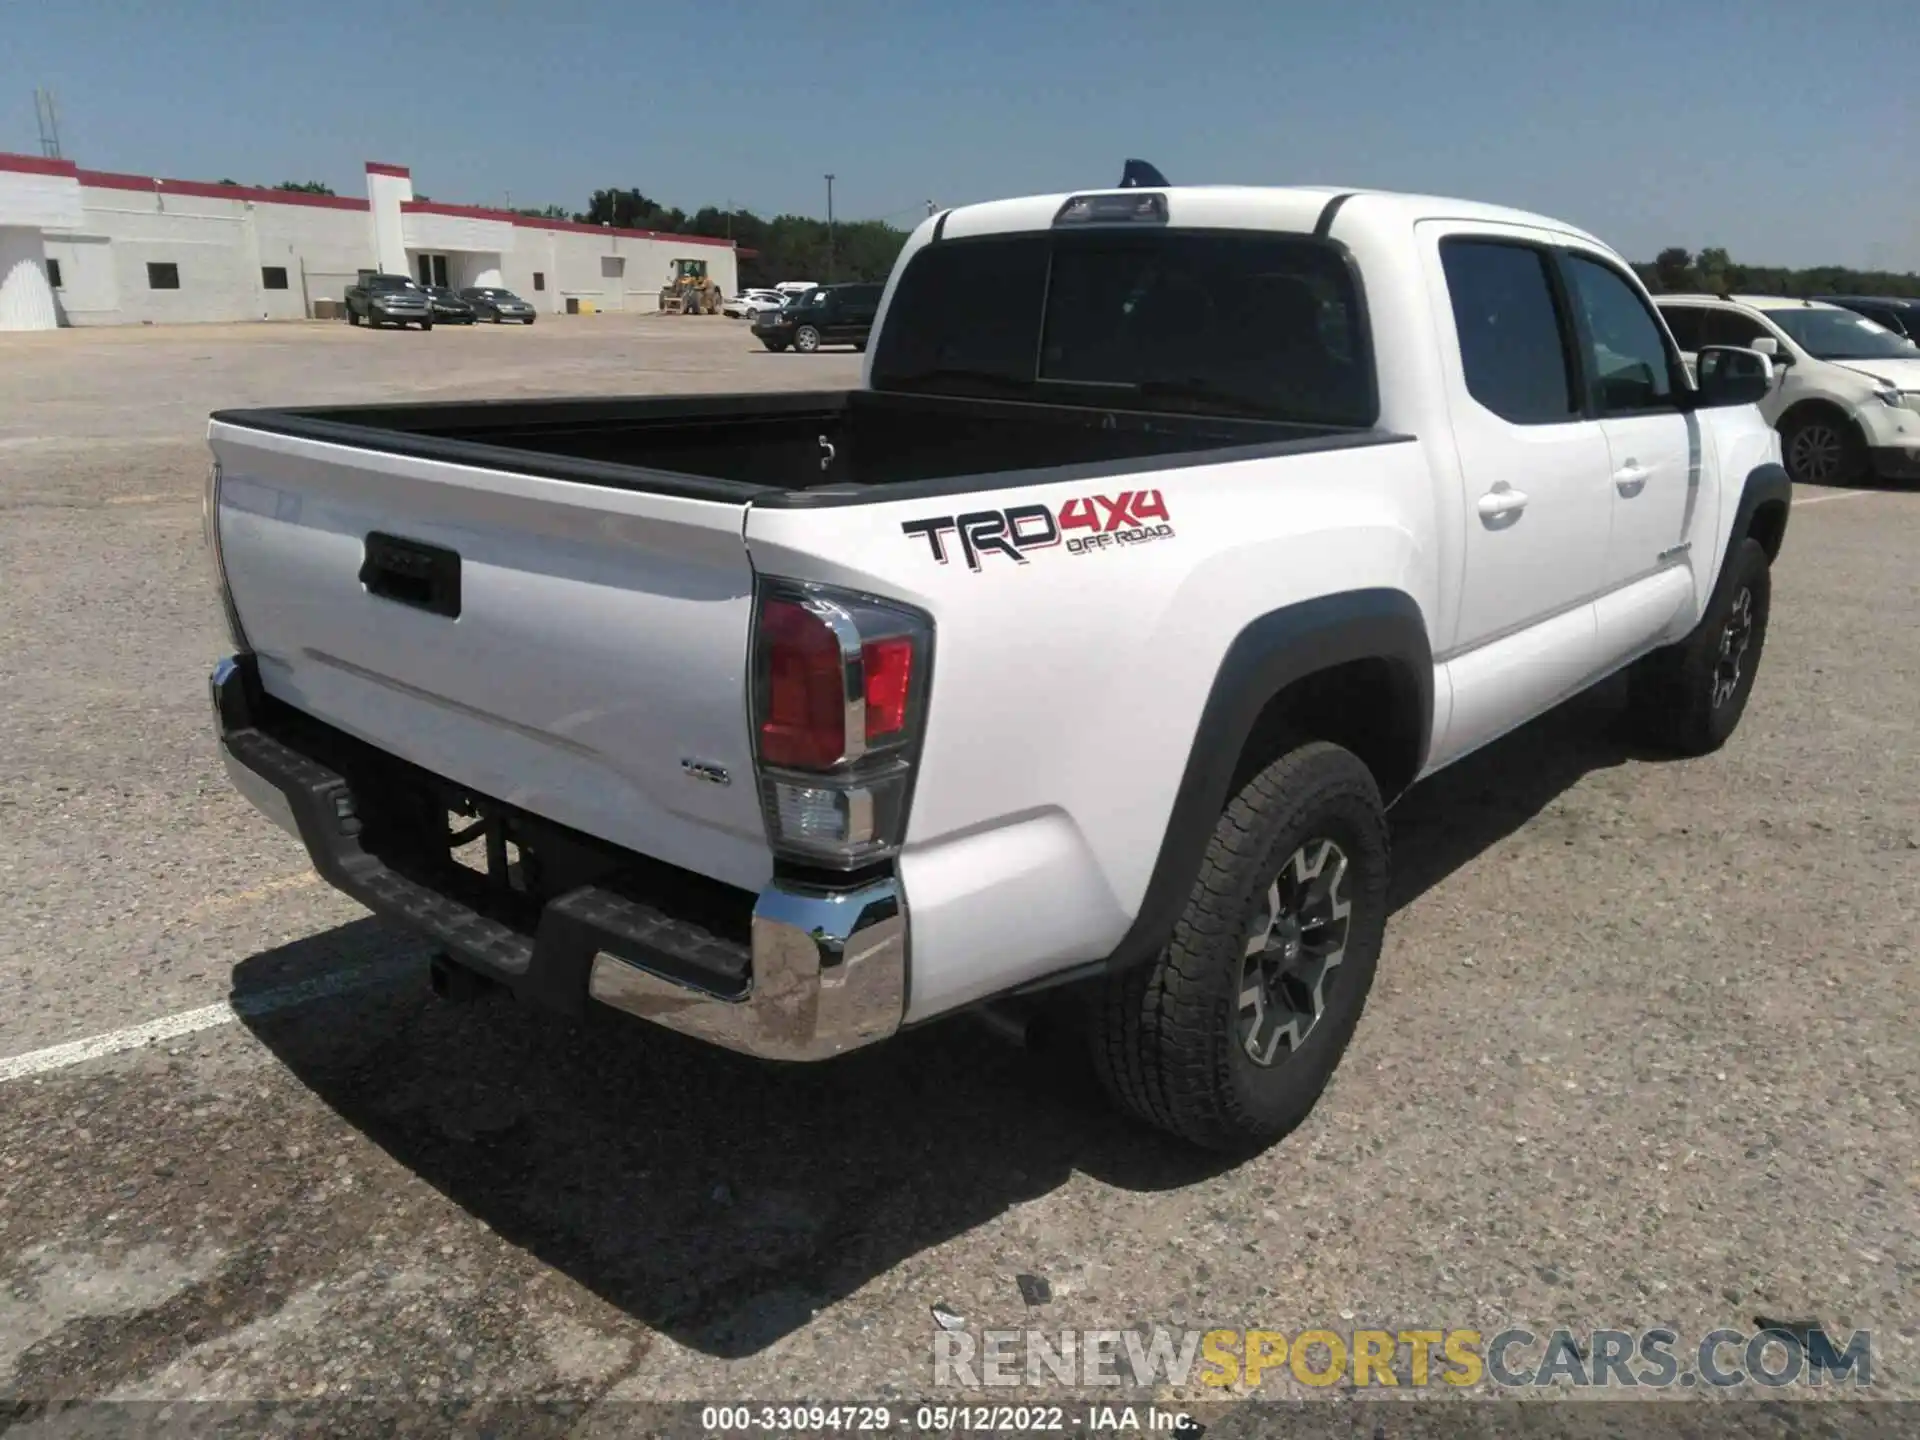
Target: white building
86, 247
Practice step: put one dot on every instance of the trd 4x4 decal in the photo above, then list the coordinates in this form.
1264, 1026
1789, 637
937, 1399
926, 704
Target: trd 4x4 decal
1131, 518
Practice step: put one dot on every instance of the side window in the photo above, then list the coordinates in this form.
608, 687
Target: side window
1513, 337
1687, 323
1730, 327
1627, 361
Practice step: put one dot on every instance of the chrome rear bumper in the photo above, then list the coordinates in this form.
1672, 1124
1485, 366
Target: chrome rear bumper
827, 970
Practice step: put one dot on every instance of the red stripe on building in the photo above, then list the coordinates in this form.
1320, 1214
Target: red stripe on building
36, 165
111, 180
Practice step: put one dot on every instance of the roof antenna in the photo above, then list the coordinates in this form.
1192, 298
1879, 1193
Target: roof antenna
1138, 173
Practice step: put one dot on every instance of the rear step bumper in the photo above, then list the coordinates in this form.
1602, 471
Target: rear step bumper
826, 970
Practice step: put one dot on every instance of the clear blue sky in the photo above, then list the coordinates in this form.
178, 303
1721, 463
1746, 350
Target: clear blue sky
1786, 132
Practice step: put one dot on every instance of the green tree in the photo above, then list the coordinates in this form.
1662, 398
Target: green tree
305, 187
1719, 273
1673, 268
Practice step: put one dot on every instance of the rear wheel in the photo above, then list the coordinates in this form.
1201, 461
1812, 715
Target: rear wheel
806, 339
1689, 697
1227, 1038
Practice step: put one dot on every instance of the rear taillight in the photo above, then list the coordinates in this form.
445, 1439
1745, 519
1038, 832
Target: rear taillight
839, 703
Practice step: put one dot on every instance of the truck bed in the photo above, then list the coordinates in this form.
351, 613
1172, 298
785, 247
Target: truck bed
811, 447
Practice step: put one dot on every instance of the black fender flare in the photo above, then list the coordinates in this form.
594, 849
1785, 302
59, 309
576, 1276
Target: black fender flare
1764, 485
1273, 651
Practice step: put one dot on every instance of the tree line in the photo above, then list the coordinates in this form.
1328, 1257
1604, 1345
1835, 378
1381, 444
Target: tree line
787, 247
1677, 270
790, 247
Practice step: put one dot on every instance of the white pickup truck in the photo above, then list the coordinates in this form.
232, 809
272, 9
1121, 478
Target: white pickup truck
1171, 535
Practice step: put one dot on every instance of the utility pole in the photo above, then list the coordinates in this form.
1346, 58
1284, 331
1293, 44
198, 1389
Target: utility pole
829, 229
48, 121
932, 209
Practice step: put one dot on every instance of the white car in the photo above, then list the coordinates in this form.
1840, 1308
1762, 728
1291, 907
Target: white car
1847, 400
1074, 656
751, 302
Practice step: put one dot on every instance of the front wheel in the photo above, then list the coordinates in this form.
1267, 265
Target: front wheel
806, 339
426, 324
1228, 1036
1822, 448
353, 316
1688, 697
774, 345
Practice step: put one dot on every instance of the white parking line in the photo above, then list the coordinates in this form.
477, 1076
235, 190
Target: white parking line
1829, 499
189, 1022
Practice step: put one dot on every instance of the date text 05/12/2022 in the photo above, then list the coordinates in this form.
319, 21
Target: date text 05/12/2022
944, 1419
1084, 525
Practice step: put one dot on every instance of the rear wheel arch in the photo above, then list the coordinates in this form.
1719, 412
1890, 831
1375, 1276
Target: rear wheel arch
1354, 668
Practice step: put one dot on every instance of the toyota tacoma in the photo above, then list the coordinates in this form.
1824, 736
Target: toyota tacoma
1171, 534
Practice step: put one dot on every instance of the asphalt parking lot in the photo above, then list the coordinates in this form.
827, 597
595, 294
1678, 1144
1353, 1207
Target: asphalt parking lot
1641, 1051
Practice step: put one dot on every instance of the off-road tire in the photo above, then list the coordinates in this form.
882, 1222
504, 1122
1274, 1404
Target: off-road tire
1166, 1035
1679, 695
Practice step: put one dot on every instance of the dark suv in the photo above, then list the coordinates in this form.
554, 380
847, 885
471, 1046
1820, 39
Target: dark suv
1902, 316
825, 315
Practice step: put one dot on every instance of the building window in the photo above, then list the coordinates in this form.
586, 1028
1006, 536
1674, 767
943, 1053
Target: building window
539, 280
273, 277
163, 275
53, 273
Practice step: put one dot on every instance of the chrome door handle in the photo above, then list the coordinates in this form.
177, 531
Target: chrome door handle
1631, 478
1503, 499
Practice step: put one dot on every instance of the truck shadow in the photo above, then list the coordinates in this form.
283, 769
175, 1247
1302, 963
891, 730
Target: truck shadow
723, 1202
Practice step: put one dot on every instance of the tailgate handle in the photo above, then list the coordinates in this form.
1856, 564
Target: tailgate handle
408, 572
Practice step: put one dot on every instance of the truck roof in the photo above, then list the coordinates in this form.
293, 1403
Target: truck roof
1253, 207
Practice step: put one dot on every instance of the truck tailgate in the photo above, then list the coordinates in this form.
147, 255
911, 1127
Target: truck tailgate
559, 646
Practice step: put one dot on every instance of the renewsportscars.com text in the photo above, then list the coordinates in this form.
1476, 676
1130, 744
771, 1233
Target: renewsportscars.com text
1242, 1360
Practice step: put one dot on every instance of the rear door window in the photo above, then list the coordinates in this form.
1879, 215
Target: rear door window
1240, 323
1515, 342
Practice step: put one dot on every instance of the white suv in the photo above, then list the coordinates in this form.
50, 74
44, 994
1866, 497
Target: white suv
1846, 400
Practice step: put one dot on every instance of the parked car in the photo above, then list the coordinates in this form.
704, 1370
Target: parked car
448, 307
824, 315
1896, 313
492, 302
1075, 655
751, 302
1846, 398
379, 300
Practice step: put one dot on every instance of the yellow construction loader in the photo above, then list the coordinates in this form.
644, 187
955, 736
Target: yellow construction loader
690, 292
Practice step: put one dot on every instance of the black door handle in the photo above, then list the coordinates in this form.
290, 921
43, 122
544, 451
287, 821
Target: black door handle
409, 572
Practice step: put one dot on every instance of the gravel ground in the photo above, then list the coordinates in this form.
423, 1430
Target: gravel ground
1641, 1051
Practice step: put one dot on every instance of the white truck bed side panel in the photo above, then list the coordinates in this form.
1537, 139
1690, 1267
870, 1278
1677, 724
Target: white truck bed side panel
1067, 691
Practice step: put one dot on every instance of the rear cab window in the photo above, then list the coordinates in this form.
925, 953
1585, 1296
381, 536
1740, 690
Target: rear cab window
1243, 323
